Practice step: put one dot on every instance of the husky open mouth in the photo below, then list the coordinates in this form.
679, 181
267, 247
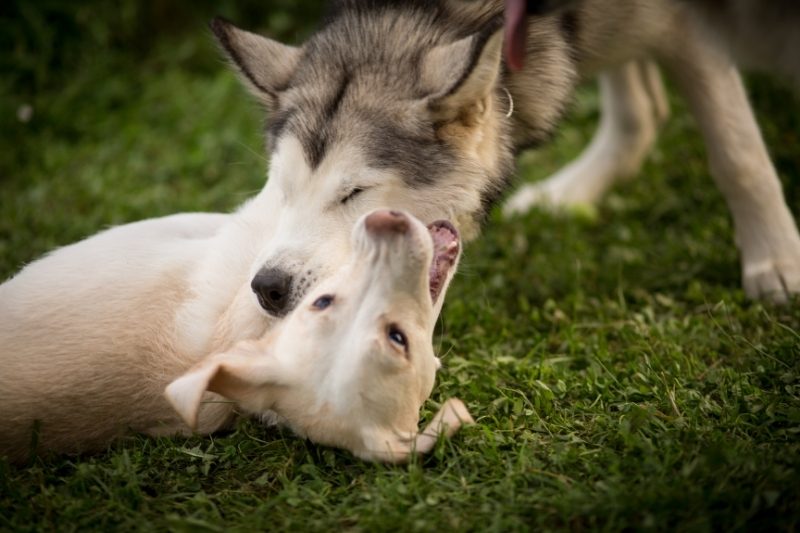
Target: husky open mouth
446, 245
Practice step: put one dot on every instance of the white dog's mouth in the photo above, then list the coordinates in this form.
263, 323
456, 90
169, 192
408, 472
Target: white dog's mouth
446, 245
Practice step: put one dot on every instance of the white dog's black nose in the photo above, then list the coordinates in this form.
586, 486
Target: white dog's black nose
272, 287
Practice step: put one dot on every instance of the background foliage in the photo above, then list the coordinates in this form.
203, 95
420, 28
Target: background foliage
619, 378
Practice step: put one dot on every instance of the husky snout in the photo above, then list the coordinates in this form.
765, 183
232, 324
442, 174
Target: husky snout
273, 287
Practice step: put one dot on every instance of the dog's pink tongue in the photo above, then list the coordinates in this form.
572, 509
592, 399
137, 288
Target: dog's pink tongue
445, 252
515, 33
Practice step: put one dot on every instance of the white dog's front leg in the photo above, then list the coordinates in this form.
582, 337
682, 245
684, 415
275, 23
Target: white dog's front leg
765, 230
633, 107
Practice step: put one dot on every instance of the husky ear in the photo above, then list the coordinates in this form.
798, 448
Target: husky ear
263, 64
463, 73
247, 374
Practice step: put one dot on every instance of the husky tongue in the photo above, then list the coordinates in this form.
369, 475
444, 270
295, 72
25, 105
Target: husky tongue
445, 252
515, 33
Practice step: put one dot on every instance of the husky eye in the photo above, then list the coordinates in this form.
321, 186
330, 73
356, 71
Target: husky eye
352, 194
323, 302
397, 336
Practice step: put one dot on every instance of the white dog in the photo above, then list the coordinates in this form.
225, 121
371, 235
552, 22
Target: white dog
91, 334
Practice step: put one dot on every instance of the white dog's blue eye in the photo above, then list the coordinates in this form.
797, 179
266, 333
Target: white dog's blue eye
323, 301
397, 336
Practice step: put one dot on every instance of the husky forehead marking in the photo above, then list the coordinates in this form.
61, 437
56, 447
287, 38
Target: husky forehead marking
387, 139
359, 94
315, 130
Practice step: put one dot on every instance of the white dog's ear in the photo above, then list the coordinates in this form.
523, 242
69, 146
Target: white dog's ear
265, 65
247, 374
463, 73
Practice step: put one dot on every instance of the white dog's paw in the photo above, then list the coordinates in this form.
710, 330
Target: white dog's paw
772, 280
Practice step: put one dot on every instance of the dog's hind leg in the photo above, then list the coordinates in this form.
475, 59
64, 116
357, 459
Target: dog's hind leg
634, 105
766, 233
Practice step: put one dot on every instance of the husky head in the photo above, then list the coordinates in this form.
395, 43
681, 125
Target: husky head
353, 363
391, 104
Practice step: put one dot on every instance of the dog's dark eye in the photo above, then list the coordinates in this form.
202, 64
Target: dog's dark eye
323, 302
397, 336
352, 194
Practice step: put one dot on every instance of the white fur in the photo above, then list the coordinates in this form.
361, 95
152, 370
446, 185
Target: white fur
333, 374
92, 333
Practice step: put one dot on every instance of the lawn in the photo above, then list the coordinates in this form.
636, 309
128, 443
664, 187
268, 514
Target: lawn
618, 376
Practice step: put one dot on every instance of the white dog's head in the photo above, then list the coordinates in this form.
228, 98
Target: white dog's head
352, 365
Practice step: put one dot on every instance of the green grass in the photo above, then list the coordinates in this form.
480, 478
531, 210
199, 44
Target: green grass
617, 374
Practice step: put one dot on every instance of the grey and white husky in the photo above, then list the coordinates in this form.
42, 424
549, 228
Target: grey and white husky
410, 105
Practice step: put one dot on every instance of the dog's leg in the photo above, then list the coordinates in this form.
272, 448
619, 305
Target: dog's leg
633, 107
765, 230
651, 76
